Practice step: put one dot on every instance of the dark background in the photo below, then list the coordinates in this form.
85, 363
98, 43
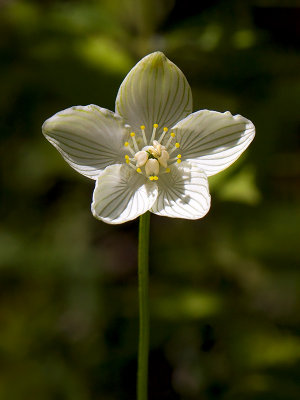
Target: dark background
225, 289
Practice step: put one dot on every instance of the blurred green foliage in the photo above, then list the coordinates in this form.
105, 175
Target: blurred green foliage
224, 290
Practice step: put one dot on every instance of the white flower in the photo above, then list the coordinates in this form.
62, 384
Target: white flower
152, 153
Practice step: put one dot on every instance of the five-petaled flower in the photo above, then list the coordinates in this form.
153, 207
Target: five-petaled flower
153, 153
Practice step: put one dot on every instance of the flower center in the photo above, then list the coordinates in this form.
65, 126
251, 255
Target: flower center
152, 159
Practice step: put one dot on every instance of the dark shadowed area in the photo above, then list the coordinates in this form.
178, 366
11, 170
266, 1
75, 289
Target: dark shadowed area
225, 290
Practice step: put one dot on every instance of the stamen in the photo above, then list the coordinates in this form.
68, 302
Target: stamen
132, 134
172, 135
152, 167
143, 133
126, 144
166, 171
177, 158
155, 126
141, 158
131, 165
177, 145
153, 178
163, 134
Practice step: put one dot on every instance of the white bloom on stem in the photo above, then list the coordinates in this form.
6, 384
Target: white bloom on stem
152, 153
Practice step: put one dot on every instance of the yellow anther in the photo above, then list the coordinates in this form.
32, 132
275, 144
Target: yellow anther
179, 156
126, 144
177, 145
155, 126
151, 178
138, 170
166, 129
172, 134
179, 161
127, 161
127, 157
168, 170
155, 178
142, 127
132, 134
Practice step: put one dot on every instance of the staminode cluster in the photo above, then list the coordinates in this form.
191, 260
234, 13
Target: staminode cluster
152, 160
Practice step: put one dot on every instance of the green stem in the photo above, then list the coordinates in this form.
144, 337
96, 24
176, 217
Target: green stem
143, 256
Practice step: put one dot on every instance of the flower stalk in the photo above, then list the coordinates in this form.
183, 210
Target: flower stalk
153, 154
143, 277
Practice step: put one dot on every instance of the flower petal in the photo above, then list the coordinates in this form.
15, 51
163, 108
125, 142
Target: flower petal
121, 194
213, 140
88, 137
155, 91
182, 193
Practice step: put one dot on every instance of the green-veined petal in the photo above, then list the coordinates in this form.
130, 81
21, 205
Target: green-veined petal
212, 139
182, 193
155, 91
121, 194
89, 138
